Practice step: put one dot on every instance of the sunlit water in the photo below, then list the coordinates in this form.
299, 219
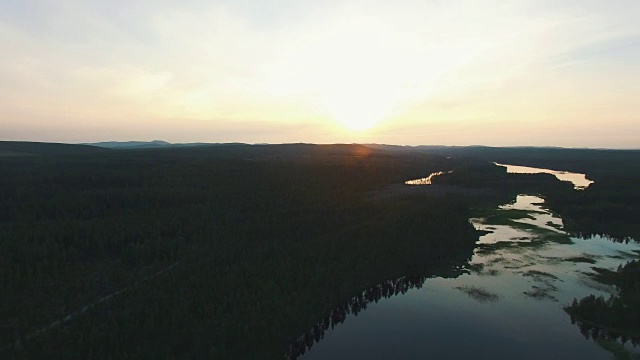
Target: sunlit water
579, 181
508, 305
426, 180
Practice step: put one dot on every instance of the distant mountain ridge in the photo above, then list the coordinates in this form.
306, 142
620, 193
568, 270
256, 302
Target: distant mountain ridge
28, 148
130, 144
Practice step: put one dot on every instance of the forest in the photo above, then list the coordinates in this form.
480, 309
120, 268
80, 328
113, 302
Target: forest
250, 231
610, 206
616, 317
234, 251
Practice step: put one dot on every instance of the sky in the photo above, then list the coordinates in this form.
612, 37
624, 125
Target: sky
500, 73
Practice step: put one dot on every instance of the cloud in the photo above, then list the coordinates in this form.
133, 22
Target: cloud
415, 65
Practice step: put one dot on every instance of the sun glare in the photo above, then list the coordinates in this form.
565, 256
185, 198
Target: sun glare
359, 107
363, 71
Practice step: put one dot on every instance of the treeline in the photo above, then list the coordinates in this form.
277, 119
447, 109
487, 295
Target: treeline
267, 239
500, 187
248, 300
609, 206
617, 317
360, 302
354, 306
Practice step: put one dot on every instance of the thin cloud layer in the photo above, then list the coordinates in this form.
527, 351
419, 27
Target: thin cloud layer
469, 72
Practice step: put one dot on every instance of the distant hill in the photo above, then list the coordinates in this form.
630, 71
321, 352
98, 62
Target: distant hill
151, 144
131, 144
25, 148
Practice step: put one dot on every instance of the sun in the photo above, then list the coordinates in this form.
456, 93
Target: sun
359, 105
359, 74
356, 115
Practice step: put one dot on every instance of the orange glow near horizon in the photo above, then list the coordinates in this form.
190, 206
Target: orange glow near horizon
452, 73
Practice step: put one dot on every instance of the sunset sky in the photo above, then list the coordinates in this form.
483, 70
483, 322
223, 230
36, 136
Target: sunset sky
542, 72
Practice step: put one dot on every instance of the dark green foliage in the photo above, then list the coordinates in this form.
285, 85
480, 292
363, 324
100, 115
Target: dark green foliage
233, 251
609, 206
617, 317
258, 243
23, 148
354, 306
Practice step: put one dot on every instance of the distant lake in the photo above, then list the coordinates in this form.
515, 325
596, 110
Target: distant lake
580, 181
426, 180
506, 303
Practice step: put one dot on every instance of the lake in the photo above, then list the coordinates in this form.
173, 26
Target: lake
426, 180
506, 303
580, 181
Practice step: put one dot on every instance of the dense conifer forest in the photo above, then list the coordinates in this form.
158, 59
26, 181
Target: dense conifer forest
234, 251
259, 243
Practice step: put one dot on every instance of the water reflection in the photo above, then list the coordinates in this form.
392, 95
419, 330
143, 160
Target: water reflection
598, 332
616, 318
478, 294
507, 303
580, 181
353, 306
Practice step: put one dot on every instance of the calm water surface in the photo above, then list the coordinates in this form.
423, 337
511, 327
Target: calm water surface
580, 181
507, 305
426, 180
